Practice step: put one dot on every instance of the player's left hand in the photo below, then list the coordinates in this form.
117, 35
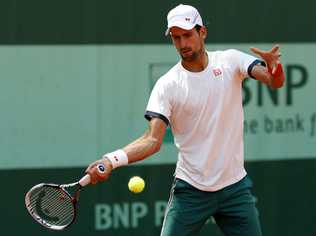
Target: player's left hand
271, 57
95, 174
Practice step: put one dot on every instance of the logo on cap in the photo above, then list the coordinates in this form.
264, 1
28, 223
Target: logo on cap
183, 16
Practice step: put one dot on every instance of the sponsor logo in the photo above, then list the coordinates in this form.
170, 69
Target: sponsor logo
217, 72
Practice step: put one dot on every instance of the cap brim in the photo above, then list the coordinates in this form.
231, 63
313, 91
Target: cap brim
180, 24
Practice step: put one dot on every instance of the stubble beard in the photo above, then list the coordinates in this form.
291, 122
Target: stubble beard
194, 56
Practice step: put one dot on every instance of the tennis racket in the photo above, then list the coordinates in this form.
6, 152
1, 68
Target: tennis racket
55, 206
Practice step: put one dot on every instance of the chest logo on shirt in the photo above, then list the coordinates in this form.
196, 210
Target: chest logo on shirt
217, 72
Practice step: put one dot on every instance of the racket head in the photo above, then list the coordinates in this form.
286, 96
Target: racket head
51, 205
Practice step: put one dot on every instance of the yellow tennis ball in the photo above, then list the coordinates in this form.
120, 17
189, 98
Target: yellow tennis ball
136, 184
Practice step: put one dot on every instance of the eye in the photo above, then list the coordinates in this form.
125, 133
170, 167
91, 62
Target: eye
176, 38
187, 35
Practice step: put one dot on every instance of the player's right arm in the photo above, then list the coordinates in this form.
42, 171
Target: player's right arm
143, 147
149, 143
158, 112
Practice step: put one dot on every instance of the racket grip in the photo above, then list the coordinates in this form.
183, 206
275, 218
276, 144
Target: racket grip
85, 180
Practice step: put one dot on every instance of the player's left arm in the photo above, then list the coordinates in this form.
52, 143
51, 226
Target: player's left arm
273, 74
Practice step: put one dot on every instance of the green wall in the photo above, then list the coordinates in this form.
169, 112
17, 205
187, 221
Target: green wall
285, 199
141, 21
64, 106
75, 79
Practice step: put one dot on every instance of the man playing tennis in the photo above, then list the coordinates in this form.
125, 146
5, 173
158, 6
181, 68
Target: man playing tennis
201, 99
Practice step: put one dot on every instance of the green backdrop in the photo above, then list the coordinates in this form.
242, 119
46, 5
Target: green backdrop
75, 80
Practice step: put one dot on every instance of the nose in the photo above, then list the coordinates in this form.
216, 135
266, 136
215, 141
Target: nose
183, 42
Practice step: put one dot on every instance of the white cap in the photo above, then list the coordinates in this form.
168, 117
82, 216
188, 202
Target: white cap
183, 16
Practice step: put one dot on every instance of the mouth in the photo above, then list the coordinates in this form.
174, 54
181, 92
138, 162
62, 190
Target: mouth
186, 52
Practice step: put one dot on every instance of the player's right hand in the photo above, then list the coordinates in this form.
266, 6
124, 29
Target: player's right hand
97, 176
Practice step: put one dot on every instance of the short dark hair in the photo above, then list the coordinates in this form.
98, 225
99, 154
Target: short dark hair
198, 27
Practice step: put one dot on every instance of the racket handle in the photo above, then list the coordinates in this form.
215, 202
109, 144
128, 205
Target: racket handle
85, 180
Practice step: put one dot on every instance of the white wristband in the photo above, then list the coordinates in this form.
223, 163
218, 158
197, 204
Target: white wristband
117, 158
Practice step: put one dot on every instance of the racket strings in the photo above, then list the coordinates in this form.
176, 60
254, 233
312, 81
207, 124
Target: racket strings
52, 205
54, 211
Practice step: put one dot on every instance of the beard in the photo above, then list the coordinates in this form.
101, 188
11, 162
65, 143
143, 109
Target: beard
188, 55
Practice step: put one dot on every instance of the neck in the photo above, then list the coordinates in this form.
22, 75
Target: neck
199, 64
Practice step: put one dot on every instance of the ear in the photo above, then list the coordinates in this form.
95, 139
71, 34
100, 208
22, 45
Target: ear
203, 31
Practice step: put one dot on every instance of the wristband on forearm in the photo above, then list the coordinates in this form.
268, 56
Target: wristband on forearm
117, 158
278, 76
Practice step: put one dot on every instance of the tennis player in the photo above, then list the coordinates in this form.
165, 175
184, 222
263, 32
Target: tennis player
200, 98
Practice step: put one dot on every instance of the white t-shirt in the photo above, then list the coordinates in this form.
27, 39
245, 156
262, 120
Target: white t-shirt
204, 110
